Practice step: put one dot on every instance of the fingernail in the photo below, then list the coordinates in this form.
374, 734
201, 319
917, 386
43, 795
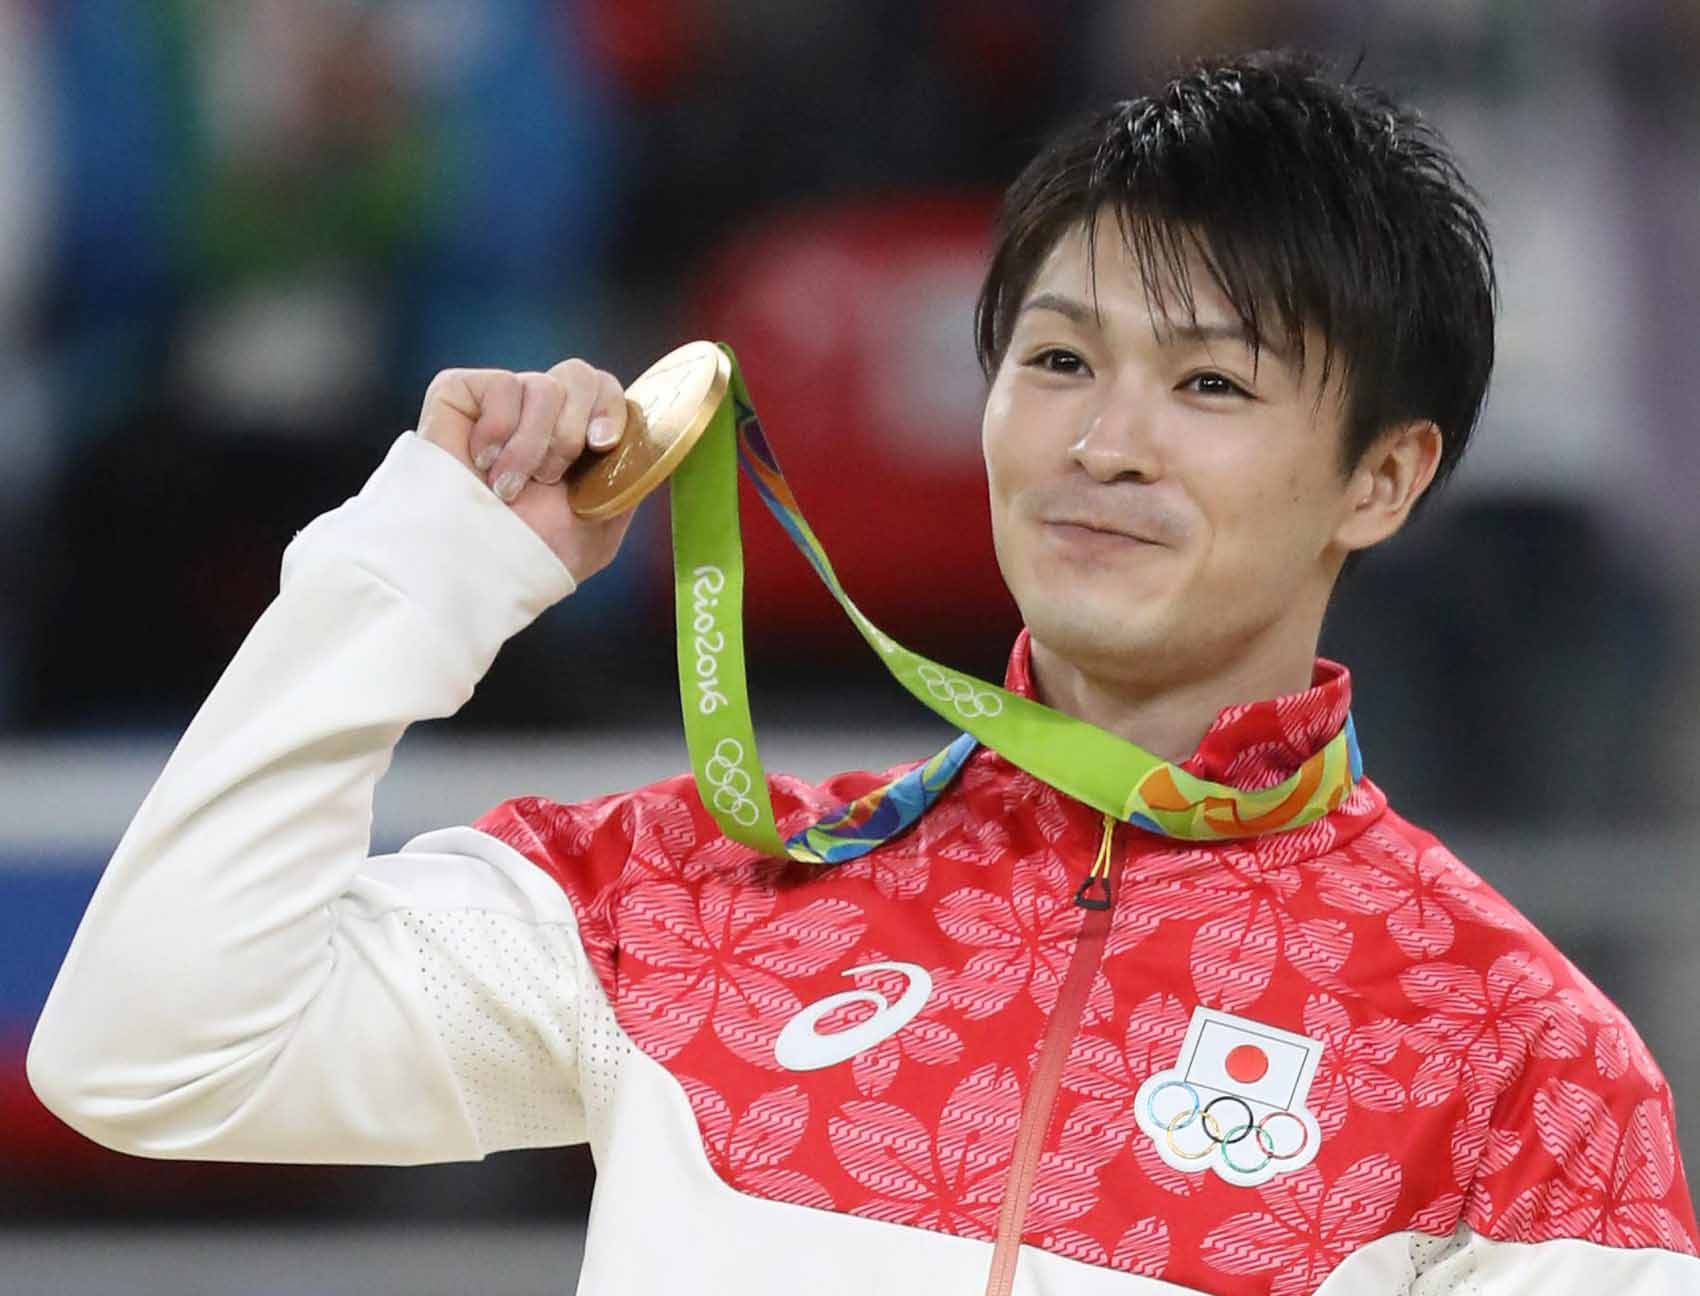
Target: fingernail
507, 486
486, 457
602, 434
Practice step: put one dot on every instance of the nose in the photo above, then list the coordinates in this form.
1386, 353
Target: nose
1116, 440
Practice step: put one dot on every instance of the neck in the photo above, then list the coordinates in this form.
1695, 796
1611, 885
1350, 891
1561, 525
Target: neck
1168, 719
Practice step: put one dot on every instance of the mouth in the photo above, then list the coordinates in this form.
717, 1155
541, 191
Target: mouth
1090, 532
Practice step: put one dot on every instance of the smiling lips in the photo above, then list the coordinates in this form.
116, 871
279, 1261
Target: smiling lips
1095, 528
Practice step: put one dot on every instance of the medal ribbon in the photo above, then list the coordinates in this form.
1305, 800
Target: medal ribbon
1108, 773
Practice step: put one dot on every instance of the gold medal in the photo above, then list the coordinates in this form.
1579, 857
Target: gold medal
668, 407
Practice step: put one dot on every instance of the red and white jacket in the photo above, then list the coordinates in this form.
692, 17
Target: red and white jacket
1330, 1060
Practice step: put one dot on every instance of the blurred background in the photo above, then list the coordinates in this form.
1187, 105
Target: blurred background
238, 237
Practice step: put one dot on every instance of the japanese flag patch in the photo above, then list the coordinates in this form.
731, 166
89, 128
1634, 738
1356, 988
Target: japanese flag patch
1234, 1100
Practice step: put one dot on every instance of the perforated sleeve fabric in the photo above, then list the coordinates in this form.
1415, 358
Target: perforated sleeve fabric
495, 989
247, 984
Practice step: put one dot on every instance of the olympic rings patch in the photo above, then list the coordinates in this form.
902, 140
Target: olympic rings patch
1222, 1141
967, 700
1233, 1101
725, 772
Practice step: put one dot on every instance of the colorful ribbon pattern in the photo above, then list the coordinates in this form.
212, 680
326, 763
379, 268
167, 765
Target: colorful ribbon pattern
1098, 768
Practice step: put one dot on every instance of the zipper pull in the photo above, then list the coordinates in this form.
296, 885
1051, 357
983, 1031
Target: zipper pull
1100, 873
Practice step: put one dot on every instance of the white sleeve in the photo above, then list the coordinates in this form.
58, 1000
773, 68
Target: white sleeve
1469, 1264
247, 984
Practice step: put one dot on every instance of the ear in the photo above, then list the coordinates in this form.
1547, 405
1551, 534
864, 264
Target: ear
1387, 483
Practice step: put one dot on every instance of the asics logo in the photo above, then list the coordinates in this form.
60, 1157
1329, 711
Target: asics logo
800, 1048
968, 701
731, 782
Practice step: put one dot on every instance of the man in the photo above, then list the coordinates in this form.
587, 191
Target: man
1235, 331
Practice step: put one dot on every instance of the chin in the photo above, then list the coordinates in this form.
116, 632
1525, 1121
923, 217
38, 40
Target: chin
1088, 631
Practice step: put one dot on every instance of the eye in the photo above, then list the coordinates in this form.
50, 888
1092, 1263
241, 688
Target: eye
1215, 384
1057, 360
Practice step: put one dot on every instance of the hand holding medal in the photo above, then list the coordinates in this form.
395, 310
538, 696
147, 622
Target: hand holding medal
520, 432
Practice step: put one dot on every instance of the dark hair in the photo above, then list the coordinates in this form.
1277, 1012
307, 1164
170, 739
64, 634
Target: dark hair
1311, 201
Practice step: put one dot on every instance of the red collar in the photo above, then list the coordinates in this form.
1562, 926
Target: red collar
1250, 744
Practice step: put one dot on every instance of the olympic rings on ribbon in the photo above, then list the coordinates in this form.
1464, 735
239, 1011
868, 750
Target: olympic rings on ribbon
731, 782
1204, 1113
968, 702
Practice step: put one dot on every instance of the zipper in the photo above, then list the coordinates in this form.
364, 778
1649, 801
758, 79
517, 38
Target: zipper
1100, 873
1094, 897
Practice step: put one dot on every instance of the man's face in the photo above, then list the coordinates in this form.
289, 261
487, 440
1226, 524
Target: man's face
1161, 510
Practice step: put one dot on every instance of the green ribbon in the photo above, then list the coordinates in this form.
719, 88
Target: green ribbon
1090, 764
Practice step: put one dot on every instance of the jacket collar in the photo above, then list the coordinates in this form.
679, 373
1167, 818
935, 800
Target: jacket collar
1249, 745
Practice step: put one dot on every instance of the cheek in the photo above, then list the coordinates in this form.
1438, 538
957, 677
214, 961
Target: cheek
1245, 514
1008, 453
997, 410
1271, 532
994, 426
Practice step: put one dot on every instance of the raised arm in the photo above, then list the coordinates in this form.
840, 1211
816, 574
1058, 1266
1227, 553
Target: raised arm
247, 984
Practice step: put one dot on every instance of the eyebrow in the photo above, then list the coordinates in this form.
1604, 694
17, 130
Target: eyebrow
1084, 315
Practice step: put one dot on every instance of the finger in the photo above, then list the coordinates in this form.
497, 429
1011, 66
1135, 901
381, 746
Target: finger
596, 422
572, 429
593, 415
608, 413
596, 409
450, 408
498, 397
566, 437
552, 469
540, 405
578, 383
